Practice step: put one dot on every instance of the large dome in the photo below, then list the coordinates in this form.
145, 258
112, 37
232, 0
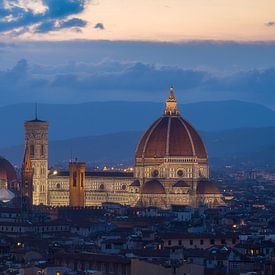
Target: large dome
171, 136
7, 171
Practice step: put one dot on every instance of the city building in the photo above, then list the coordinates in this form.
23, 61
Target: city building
171, 168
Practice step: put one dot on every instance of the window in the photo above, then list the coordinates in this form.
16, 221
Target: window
42, 151
101, 187
201, 242
212, 241
32, 150
169, 242
191, 242
82, 179
155, 173
223, 241
180, 173
180, 242
74, 179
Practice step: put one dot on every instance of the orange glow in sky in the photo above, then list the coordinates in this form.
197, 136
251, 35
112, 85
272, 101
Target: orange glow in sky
174, 20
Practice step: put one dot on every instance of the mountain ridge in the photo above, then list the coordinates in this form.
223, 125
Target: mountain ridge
97, 118
227, 146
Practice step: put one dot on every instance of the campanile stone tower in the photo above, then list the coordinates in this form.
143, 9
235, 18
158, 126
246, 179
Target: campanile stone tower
36, 137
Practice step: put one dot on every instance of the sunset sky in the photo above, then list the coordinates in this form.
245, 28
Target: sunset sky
157, 20
67, 51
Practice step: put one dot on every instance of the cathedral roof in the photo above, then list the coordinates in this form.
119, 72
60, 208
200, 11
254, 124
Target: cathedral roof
152, 187
171, 135
36, 120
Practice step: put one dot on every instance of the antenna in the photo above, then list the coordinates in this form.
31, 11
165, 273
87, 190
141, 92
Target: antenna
36, 111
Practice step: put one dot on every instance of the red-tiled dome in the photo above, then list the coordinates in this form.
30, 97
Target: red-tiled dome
207, 187
171, 136
7, 171
152, 187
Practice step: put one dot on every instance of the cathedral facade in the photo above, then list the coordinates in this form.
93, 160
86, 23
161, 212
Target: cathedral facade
171, 167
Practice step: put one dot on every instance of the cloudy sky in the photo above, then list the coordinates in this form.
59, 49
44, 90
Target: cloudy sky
87, 50
162, 20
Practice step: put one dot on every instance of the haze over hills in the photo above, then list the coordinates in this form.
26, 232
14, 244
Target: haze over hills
98, 118
251, 146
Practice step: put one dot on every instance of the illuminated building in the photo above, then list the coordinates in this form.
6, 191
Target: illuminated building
171, 167
36, 137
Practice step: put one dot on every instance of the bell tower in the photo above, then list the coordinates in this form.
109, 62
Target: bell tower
36, 138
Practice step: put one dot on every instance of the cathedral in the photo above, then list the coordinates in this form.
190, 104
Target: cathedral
171, 168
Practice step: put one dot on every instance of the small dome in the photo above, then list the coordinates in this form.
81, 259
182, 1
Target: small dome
6, 195
7, 171
207, 187
152, 187
181, 183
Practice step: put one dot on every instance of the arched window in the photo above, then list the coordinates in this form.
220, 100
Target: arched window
32, 150
74, 179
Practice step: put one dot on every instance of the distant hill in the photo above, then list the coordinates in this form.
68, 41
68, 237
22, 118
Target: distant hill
97, 118
236, 146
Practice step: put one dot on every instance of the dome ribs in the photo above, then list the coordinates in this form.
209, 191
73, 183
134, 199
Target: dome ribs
171, 136
180, 139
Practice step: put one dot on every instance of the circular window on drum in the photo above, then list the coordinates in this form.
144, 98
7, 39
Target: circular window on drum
155, 173
58, 186
101, 187
180, 173
123, 187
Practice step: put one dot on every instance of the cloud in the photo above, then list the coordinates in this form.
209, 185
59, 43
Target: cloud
19, 17
112, 80
62, 24
99, 26
270, 24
